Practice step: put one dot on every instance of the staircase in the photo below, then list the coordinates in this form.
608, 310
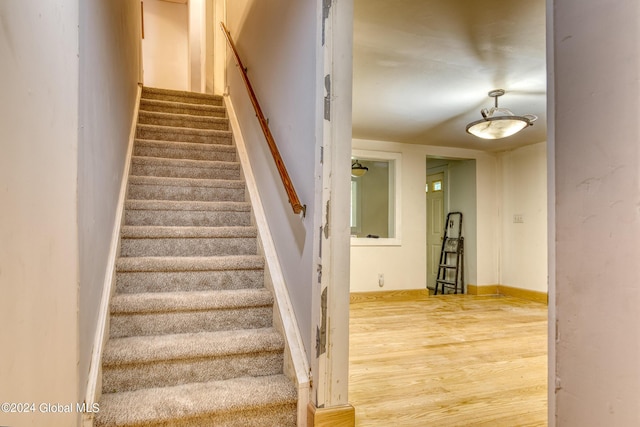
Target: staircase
191, 338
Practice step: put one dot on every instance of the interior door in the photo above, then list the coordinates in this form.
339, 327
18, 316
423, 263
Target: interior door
435, 224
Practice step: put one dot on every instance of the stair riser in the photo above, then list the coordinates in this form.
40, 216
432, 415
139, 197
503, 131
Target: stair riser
188, 247
182, 98
146, 324
202, 137
187, 218
184, 172
280, 416
166, 192
183, 122
170, 373
182, 109
177, 281
275, 415
177, 153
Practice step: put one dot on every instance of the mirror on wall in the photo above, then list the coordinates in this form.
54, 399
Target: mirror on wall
374, 198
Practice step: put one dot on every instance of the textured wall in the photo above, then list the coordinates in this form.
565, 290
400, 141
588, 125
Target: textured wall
597, 210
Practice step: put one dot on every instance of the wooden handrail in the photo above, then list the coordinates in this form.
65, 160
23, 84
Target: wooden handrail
282, 170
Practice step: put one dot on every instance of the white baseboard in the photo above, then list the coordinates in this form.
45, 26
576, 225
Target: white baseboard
297, 365
94, 383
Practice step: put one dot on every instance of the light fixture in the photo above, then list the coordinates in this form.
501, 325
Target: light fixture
357, 170
499, 122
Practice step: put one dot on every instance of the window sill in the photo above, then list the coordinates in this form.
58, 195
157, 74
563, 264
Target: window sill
363, 241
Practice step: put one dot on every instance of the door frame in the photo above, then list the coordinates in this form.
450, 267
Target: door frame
330, 289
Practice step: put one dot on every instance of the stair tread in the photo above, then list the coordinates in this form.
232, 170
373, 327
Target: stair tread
177, 105
185, 182
173, 92
185, 145
195, 399
147, 349
229, 262
184, 130
186, 205
151, 302
159, 231
166, 161
191, 117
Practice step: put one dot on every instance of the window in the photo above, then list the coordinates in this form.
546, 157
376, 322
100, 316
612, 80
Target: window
375, 199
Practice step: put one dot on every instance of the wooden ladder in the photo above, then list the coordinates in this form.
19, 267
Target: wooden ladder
451, 266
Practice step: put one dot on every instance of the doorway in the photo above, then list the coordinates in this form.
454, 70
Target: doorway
451, 186
165, 46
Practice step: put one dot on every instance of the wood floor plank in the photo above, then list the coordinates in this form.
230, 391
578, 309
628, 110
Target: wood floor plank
453, 360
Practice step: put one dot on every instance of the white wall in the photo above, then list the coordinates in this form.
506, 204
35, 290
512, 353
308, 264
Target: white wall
109, 71
404, 266
268, 35
38, 231
597, 210
165, 47
523, 253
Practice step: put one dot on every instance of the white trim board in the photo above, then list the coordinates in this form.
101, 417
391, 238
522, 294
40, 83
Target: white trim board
293, 339
94, 383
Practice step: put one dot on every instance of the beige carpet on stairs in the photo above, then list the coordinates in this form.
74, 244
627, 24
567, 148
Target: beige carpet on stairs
191, 336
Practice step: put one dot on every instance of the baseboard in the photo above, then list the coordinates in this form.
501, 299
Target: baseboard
527, 294
400, 295
336, 416
296, 364
94, 383
482, 290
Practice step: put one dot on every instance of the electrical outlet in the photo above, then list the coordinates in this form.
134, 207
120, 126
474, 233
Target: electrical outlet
518, 218
381, 279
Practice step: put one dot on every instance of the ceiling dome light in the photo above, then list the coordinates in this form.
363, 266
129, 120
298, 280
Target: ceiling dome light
357, 170
499, 122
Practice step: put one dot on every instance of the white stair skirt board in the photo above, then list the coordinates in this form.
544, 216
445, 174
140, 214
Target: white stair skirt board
94, 383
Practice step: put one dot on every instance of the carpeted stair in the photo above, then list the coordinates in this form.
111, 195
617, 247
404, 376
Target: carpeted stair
191, 338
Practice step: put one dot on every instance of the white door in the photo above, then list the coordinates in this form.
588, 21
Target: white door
435, 224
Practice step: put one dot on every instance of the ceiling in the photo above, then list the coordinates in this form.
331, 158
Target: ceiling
422, 69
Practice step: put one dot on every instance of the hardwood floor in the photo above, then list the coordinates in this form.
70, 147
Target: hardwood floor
454, 360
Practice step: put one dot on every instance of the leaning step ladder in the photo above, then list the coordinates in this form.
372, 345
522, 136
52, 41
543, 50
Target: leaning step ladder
451, 265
